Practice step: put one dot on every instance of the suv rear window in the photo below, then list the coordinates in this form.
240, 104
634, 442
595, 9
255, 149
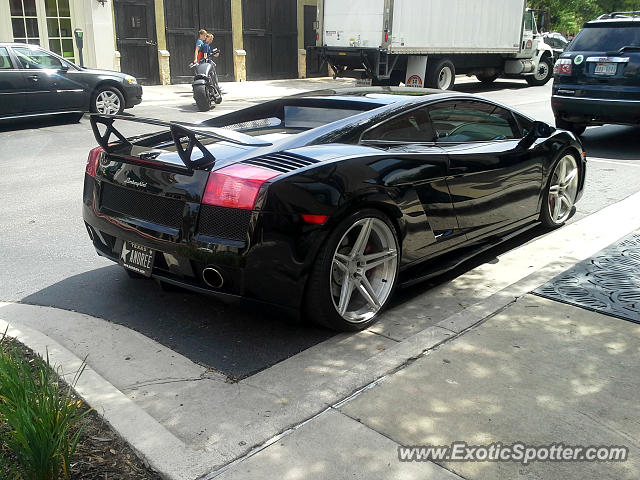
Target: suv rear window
606, 38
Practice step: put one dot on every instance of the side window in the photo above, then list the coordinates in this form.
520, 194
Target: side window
472, 121
411, 127
5, 60
34, 58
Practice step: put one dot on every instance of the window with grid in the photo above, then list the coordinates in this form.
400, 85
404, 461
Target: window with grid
24, 21
59, 28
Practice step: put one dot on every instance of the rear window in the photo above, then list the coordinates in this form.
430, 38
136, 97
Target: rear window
606, 38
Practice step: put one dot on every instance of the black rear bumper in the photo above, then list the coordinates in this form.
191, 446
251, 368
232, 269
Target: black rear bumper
595, 111
269, 265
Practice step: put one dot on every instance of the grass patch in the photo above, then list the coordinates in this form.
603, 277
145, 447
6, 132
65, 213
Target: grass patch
39, 418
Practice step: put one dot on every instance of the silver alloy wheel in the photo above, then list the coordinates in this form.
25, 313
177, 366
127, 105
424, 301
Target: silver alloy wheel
107, 103
363, 270
444, 78
563, 189
542, 71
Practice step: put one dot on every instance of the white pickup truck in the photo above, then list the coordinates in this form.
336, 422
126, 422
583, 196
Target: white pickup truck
425, 43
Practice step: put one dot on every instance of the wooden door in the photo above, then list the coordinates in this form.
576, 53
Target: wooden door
183, 20
270, 32
136, 39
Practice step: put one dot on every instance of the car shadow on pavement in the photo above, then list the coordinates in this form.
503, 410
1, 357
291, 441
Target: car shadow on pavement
39, 122
237, 339
614, 142
479, 87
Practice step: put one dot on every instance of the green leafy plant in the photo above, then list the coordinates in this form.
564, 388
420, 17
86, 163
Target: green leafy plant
40, 417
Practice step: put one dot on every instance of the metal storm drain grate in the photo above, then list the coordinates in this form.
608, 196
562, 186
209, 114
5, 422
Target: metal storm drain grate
608, 283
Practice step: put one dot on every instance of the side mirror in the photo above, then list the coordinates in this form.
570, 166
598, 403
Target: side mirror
541, 130
538, 130
63, 67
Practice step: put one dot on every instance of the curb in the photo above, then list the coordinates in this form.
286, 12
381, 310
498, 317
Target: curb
154, 444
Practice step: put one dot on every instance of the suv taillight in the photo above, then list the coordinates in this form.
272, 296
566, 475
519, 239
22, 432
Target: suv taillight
236, 186
563, 66
92, 161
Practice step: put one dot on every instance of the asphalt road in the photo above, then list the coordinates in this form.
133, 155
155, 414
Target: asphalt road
47, 259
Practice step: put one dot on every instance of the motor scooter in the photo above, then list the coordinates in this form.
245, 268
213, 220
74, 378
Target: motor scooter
206, 91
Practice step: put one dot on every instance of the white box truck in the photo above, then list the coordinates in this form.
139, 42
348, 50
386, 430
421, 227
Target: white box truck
425, 43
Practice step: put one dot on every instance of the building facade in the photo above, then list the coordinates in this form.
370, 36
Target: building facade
154, 40
50, 23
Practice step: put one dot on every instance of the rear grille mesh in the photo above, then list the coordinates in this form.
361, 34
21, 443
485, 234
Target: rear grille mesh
223, 222
150, 208
281, 162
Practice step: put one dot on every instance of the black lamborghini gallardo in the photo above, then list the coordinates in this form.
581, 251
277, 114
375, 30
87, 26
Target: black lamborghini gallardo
323, 203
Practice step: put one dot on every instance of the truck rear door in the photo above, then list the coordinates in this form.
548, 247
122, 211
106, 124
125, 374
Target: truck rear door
353, 23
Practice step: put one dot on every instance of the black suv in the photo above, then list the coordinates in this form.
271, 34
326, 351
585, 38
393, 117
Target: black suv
597, 78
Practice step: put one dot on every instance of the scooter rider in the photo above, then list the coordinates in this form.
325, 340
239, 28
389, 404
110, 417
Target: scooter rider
199, 44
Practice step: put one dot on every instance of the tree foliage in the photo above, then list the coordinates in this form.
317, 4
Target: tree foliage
567, 16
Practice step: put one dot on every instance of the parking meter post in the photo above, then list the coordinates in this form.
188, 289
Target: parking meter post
78, 34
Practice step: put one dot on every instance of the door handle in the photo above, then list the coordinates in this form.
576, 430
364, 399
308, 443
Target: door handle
150, 42
33, 77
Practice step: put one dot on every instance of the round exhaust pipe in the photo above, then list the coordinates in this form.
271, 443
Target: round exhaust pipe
212, 277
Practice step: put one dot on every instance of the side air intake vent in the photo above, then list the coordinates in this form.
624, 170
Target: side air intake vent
282, 162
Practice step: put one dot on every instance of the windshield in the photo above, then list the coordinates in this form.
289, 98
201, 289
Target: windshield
606, 38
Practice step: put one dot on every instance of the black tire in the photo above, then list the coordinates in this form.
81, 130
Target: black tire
436, 70
575, 128
547, 65
318, 303
202, 98
545, 214
487, 79
109, 92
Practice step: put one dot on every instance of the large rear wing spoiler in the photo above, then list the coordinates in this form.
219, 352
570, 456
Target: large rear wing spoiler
184, 136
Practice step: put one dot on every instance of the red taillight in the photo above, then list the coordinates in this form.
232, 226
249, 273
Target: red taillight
317, 37
563, 66
315, 219
386, 37
92, 161
236, 186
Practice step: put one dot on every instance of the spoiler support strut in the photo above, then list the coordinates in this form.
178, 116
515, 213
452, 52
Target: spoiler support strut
179, 132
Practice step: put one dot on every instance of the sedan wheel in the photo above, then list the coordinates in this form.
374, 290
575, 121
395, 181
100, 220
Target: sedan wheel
108, 101
355, 274
562, 191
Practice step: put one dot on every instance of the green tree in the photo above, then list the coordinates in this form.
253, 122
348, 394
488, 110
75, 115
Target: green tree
568, 16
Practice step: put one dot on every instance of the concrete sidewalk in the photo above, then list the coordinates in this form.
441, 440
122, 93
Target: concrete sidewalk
538, 372
535, 371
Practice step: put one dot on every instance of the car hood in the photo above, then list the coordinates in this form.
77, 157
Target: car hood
110, 73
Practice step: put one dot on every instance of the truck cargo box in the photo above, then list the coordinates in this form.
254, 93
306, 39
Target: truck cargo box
456, 26
425, 26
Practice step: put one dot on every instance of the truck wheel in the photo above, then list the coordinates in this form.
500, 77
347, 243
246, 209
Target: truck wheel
488, 78
202, 99
441, 74
543, 73
576, 128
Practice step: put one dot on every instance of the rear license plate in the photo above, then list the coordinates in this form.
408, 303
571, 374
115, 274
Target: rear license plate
363, 82
606, 69
137, 258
